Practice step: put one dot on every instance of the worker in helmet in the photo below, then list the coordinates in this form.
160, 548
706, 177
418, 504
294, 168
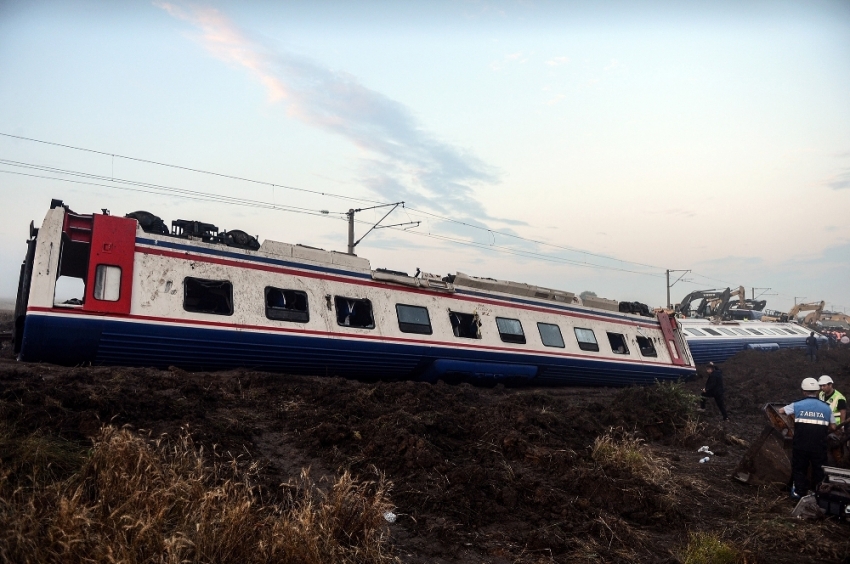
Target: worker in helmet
813, 420
834, 398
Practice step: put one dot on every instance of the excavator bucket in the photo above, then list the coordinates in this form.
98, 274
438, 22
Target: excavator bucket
768, 460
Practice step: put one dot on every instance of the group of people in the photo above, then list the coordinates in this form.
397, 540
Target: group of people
822, 411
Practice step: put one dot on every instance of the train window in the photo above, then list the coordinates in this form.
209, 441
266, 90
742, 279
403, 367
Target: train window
618, 343
647, 348
465, 325
287, 305
711, 331
586, 339
742, 332
510, 330
208, 296
790, 332
726, 331
696, 332
352, 312
551, 335
766, 331
413, 319
107, 283
69, 291
754, 332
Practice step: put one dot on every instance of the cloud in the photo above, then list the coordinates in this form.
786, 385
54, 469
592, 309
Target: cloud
404, 162
507, 60
840, 181
558, 61
556, 99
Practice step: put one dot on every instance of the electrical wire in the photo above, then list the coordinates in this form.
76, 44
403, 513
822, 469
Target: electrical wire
189, 194
200, 196
188, 169
329, 194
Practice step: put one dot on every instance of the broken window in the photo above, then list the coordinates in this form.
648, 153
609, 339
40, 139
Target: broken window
286, 305
465, 325
586, 339
351, 312
510, 330
69, 291
618, 343
107, 283
550, 334
413, 319
70, 286
208, 296
646, 346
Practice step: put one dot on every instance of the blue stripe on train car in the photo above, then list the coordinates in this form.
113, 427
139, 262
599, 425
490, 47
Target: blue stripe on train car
75, 340
704, 351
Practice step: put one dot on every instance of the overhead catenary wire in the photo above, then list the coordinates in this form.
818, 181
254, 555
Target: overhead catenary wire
329, 194
199, 196
189, 169
321, 213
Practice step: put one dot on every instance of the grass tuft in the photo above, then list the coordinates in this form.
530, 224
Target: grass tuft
138, 500
618, 449
708, 548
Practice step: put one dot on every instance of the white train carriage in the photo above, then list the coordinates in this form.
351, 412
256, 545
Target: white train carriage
715, 342
153, 298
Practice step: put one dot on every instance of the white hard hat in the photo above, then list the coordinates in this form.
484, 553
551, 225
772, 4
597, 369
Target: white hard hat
824, 380
810, 385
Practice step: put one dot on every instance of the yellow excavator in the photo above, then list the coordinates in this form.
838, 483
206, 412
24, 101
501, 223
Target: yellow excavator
834, 319
816, 309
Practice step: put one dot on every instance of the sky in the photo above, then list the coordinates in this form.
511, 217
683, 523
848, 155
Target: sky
573, 145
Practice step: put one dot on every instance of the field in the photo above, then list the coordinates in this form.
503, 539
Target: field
145, 465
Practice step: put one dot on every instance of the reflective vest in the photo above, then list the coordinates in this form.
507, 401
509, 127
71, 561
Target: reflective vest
833, 403
811, 424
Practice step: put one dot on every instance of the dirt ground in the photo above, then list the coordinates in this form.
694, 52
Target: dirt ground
496, 475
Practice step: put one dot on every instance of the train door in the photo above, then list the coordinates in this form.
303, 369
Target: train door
109, 282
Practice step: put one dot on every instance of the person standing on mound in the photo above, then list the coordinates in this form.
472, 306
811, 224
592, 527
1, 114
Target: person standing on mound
714, 389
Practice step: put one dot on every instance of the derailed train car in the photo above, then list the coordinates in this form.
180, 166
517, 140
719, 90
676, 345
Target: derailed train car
711, 341
199, 299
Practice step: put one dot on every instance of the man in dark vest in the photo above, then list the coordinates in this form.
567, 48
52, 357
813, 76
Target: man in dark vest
812, 347
714, 389
813, 420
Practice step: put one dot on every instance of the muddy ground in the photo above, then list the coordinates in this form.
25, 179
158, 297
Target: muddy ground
480, 474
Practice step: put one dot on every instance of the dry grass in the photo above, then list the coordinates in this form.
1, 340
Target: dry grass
137, 500
708, 548
619, 449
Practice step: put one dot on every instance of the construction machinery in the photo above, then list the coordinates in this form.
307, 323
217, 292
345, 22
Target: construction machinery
833, 319
816, 309
707, 297
719, 304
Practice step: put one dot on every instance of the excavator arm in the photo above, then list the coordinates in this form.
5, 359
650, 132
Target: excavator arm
684, 308
815, 307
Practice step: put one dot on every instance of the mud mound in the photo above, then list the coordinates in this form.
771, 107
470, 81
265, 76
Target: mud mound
753, 378
480, 474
